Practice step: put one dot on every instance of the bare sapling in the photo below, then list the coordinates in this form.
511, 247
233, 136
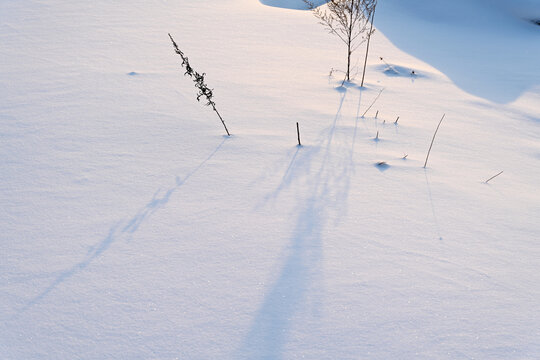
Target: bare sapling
432, 140
348, 20
198, 79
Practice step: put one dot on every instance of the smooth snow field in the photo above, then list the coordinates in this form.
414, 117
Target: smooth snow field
132, 227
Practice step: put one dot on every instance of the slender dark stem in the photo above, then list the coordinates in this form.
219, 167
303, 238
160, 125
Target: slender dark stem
223, 122
344, 79
373, 103
494, 176
349, 42
432, 140
367, 48
298, 133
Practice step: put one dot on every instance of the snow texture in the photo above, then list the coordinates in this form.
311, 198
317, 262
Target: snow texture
132, 228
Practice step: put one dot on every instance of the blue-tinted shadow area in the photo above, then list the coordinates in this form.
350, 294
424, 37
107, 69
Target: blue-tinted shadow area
321, 177
118, 231
487, 48
291, 4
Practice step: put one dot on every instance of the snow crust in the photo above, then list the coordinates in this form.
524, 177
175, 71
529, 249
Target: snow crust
131, 228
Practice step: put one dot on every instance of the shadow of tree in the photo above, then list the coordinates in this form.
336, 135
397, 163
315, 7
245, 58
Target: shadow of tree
299, 281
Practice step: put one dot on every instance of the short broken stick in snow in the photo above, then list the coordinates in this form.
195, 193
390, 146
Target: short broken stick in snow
432, 140
198, 79
395, 122
373, 103
494, 176
388, 66
298, 133
384, 61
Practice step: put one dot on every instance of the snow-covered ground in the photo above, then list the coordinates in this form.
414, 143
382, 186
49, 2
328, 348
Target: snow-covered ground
131, 228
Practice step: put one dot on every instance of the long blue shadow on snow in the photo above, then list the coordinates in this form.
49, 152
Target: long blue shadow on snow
300, 163
297, 288
270, 329
116, 232
430, 197
291, 4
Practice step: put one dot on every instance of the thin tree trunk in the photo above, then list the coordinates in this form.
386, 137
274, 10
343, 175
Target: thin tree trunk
348, 78
349, 43
367, 48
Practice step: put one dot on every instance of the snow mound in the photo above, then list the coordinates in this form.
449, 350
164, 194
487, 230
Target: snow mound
457, 38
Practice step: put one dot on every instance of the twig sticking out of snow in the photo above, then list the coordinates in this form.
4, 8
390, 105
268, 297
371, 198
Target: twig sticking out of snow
432, 140
374, 100
389, 68
494, 176
395, 122
298, 133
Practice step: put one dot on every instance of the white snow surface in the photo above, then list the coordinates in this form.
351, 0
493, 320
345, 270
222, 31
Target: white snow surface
131, 228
